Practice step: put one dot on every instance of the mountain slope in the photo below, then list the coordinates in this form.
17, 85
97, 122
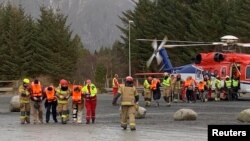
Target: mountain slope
94, 20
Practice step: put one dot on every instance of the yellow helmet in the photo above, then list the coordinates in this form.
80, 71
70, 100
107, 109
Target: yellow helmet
26, 81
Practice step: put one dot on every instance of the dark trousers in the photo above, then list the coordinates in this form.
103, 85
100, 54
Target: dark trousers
51, 107
189, 94
156, 94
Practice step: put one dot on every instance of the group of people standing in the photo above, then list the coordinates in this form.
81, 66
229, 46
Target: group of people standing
56, 101
171, 89
174, 87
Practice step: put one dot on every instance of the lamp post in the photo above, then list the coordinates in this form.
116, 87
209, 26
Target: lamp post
129, 53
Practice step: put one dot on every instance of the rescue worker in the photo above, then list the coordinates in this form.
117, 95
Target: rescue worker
115, 86
228, 88
147, 91
90, 91
50, 103
235, 87
202, 89
36, 101
24, 100
209, 86
63, 93
77, 103
167, 88
177, 84
189, 86
129, 100
217, 88
155, 87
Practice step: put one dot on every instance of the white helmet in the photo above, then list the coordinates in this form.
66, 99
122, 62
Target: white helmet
166, 74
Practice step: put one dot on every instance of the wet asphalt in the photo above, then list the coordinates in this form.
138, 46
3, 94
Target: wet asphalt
158, 125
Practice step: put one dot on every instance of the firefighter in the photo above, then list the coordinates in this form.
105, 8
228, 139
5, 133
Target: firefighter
155, 87
90, 91
167, 88
115, 86
36, 101
228, 88
129, 100
50, 103
63, 93
77, 103
147, 91
217, 88
177, 84
24, 101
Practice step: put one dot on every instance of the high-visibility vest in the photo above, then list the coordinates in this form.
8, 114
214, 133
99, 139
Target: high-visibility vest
217, 83
146, 85
50, 94
92, 90
166, 82
228, 83
235, 83
36, 89
115, 83
77, 95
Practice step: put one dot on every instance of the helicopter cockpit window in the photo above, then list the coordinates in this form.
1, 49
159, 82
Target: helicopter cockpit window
248, 72
198, 74
223, 72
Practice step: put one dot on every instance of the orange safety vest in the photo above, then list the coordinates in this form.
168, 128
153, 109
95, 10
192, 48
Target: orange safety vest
36, 89
154, 84
201, 85
50, 94
188, 82
77, 95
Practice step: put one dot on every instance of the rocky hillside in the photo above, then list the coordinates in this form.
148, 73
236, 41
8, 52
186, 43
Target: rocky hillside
94, 20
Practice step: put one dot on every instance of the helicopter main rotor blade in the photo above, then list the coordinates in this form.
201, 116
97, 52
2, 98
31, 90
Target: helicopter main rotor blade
154, 45
163, 43
150, 60
244, 44
174, 41
158, 58
173, 46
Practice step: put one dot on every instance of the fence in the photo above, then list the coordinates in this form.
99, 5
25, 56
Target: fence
8, 86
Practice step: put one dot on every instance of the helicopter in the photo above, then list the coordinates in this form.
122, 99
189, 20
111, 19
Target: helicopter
227, 62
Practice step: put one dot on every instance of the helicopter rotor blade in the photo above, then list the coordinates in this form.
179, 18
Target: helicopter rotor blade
243, 44
163, 43
150, 60
158, 58
174, 41
173, 46
154, 45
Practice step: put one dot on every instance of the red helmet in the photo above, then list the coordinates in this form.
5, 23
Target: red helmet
88, 81
129, 78
63, 82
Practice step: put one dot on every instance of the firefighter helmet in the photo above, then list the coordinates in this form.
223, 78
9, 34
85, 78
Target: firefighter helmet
26, 81
129, 78
63, 82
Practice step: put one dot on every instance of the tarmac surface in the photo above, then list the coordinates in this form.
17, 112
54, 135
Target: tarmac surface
158, 125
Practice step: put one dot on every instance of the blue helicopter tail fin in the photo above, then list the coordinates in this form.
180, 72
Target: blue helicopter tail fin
167, 65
